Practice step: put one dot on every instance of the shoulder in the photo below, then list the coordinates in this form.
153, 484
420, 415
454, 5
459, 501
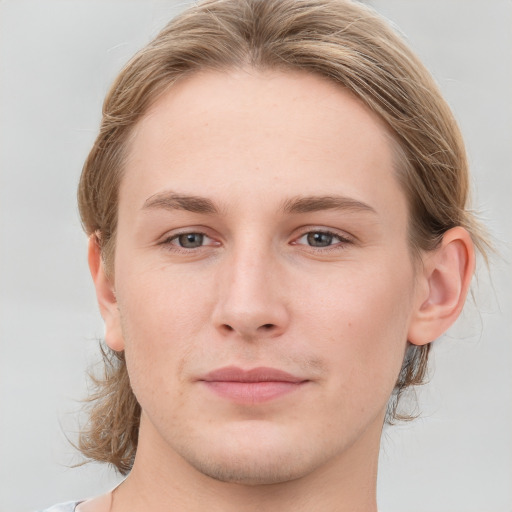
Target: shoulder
62, 507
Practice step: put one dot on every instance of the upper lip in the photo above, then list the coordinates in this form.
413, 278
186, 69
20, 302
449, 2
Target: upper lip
260, 374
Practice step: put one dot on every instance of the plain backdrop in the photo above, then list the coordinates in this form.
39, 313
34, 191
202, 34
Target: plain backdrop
57, 59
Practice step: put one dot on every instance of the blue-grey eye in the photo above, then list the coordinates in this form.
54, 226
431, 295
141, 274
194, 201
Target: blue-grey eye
190, 240
319, 239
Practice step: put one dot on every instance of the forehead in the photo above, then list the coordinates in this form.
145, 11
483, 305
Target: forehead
258, 132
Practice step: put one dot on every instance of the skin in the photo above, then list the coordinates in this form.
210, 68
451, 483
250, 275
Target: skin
327, 292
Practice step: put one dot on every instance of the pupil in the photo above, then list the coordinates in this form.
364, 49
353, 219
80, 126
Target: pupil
191, 240
319, 239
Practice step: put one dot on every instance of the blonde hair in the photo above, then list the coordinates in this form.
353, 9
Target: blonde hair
338, 39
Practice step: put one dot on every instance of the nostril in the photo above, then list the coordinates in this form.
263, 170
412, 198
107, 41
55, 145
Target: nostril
248, 331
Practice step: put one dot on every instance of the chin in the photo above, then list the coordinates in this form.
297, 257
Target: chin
254, 458
252, 470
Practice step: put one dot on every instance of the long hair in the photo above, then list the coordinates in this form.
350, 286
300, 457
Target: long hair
342, 40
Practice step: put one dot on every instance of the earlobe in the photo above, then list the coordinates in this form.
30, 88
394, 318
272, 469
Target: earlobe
105, 294
445, 282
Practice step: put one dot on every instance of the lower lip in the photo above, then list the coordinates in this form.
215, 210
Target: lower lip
252, 392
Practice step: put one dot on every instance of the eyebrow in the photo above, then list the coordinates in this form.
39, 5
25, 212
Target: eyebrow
307, 204
174, 201
170, 200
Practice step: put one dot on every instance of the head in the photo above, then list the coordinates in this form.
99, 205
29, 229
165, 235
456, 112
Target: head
336, 49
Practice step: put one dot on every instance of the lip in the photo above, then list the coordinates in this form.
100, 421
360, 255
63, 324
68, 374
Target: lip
252, 386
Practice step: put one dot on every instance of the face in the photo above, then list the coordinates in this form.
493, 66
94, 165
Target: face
263, 282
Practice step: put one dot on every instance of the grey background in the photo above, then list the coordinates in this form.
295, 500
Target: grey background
57, 59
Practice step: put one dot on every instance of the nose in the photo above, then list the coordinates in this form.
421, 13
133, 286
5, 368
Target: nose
252, 297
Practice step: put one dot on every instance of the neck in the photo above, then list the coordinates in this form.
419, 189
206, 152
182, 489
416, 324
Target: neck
162, 480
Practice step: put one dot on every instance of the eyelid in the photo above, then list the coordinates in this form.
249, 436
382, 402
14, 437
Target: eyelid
344, 238
168, 239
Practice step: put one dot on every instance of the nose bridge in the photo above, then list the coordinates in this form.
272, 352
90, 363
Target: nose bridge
251, 300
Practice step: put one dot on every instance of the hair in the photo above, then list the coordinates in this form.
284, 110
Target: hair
341, 40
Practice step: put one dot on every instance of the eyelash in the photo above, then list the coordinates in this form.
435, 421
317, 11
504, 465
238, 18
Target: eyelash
168, 242
342, 241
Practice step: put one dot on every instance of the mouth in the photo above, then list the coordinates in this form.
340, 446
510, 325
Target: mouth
251, 386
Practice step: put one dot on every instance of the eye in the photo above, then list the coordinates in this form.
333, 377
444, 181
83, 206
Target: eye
192, 240
320, 239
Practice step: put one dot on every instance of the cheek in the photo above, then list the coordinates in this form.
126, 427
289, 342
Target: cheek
161, 301
161, 323
360, 328
353, 319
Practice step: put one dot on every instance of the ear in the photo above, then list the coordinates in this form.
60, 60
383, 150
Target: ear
443, 285
105, 294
